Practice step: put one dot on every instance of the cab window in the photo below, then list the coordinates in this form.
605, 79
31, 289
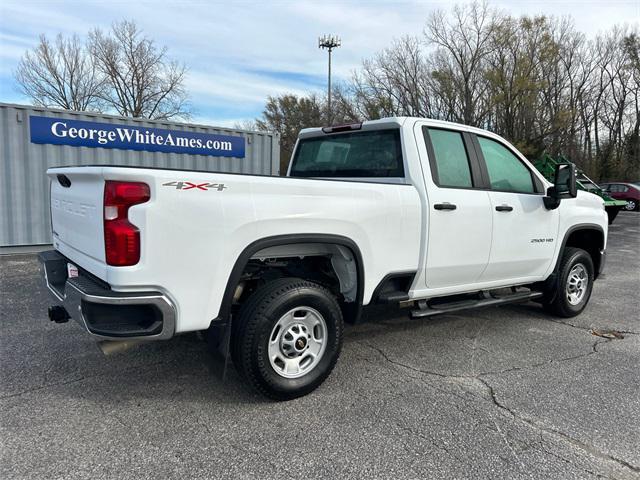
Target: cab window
371, 154
451, 159
506, 171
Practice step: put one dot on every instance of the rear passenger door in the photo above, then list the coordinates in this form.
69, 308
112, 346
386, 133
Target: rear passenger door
458, 215
524, 231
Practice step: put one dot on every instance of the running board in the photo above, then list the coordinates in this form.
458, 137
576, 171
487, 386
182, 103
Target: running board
393, 297
488, 301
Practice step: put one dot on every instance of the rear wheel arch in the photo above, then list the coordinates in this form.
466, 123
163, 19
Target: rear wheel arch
351, 310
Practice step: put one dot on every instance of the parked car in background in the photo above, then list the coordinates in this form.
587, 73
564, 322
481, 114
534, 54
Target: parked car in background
630, 192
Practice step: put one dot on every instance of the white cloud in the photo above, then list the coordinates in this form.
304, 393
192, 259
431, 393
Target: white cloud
218, 121
226, 84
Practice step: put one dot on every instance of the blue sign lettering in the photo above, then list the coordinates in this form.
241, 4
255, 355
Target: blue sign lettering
79, 133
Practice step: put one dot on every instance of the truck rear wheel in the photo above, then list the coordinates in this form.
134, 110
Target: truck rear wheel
574, 285
287, 338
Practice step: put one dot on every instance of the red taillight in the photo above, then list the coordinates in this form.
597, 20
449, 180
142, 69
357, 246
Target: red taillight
122, 238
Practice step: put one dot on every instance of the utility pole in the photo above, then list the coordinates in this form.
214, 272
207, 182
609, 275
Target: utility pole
329, 42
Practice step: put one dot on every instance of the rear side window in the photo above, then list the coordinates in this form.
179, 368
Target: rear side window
506, 171
360, 154
451, 159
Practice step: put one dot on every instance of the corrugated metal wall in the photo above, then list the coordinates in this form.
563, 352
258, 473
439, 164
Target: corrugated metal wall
24, 187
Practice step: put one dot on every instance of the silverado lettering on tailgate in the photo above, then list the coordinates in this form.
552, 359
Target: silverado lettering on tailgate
73, 208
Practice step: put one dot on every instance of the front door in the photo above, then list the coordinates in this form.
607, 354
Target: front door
524, 231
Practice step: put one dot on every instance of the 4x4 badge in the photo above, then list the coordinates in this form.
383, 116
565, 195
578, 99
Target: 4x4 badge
195, 186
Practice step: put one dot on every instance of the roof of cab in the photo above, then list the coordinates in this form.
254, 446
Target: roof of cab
395, 122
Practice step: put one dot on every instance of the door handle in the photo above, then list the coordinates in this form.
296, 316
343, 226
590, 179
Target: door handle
504, 208
444, 206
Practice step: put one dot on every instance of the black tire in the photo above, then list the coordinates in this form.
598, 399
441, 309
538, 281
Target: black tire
557, 302
255, 322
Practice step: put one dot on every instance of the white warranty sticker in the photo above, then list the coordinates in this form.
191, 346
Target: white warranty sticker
72, 270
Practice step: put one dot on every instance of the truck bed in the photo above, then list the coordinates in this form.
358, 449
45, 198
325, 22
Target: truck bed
196, 224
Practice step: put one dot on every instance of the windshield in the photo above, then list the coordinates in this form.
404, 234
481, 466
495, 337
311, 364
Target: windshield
360, 154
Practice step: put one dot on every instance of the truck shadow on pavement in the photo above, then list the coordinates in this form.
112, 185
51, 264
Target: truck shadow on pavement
184, 368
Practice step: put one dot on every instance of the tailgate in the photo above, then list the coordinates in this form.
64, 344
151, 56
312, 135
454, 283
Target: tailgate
77, 216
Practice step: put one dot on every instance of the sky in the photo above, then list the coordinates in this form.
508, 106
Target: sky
240, 52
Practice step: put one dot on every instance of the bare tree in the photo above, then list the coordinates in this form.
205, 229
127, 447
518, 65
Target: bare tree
462, 41
342, 105
393, 82
141, 80
248, 125
535, 80
616, 117
60, 74
287, 114
632, 140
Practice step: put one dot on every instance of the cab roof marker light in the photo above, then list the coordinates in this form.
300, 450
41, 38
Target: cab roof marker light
342, 128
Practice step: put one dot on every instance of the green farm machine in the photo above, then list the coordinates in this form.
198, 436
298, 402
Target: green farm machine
546, 165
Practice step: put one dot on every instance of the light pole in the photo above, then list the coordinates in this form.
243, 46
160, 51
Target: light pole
329, 42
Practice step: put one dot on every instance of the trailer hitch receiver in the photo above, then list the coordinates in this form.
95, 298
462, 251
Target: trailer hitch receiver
58, 314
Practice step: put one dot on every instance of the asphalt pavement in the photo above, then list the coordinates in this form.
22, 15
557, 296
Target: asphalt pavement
505, 392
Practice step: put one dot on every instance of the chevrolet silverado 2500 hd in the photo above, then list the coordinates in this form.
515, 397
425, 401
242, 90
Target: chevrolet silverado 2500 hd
434, 215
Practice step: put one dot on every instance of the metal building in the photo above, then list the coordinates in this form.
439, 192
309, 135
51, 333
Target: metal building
33, 139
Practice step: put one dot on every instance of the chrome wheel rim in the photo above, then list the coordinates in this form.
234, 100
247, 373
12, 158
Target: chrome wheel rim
631, 205
577, 283
297, 342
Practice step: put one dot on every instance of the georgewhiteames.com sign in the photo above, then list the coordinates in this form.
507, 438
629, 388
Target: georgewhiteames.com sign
80, 133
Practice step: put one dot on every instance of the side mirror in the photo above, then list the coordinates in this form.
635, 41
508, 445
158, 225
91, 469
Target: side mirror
564, 186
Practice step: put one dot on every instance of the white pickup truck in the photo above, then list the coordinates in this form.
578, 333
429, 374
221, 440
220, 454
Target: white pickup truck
433, 215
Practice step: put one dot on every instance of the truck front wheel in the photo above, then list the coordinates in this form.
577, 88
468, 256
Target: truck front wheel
287, 338
574, 284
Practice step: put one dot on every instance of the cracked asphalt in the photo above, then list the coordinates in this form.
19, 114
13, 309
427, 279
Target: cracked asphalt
504, 392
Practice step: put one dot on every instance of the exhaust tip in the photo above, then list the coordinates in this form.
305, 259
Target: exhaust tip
111, 347
58, 314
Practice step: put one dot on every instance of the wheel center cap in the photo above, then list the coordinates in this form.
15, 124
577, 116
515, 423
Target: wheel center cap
301, 343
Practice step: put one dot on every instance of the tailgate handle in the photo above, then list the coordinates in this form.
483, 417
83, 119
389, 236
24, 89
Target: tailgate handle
64, 180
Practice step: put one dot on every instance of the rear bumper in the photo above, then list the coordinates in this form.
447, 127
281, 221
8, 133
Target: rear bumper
105, 314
